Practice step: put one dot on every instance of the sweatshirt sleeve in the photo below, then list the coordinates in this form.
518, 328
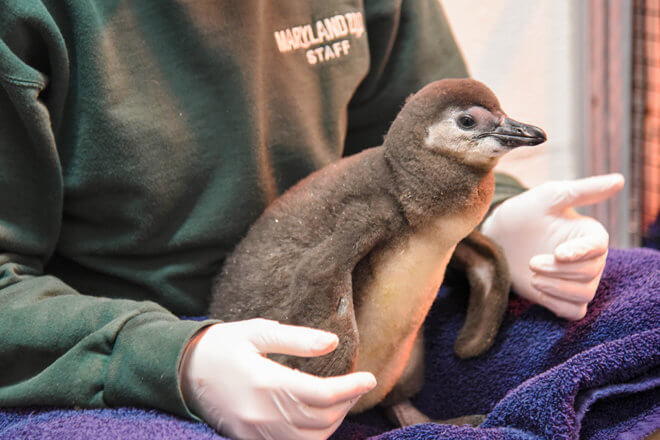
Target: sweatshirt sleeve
506, 186
57, 346
411, 44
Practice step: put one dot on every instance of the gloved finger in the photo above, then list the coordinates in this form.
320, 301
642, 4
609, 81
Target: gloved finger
324, 392
583, 271
561, 308
314, 390
322, 418
585, 191
308, 417
272, 337
573, 291
592, 245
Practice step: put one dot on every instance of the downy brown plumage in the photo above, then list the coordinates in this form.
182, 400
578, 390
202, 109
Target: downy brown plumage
360, 247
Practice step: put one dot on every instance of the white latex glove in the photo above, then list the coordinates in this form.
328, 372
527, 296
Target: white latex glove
556, 256
227, 381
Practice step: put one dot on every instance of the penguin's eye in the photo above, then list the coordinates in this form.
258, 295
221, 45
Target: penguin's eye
466, 122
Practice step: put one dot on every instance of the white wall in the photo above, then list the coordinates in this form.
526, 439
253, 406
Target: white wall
527, 51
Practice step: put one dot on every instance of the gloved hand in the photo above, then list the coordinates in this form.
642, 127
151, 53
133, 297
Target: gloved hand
228, 382
556, 256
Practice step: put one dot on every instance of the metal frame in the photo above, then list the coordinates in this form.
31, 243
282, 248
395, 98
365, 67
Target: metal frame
638, 109
607, 101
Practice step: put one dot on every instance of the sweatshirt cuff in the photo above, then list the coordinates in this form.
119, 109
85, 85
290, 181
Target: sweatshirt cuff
143, 370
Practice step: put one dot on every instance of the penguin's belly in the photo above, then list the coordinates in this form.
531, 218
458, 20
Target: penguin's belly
394, 300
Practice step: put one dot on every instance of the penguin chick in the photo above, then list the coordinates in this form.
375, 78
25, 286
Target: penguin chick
359, 248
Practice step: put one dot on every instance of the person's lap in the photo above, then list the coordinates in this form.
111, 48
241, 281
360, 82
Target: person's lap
540, 370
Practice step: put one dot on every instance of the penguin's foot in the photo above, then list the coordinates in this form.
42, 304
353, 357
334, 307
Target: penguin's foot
405, 414
473, 420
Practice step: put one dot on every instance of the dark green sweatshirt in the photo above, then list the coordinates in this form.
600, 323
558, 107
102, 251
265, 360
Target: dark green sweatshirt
138, 141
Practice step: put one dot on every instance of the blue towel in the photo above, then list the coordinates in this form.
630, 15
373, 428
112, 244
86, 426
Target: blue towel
544, 378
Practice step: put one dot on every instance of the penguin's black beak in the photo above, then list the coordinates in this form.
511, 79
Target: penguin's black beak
512, 133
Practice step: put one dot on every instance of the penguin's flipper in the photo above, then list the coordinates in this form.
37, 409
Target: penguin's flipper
488, 275
339, 319
322, 285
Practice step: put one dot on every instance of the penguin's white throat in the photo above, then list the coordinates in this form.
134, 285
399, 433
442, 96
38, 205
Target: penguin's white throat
446, 138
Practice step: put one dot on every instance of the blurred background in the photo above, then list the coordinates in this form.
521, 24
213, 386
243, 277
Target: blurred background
587, 72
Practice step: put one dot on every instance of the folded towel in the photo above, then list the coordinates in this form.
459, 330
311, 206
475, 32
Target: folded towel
544, 378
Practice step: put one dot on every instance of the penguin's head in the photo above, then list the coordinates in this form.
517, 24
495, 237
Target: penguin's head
462, 118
